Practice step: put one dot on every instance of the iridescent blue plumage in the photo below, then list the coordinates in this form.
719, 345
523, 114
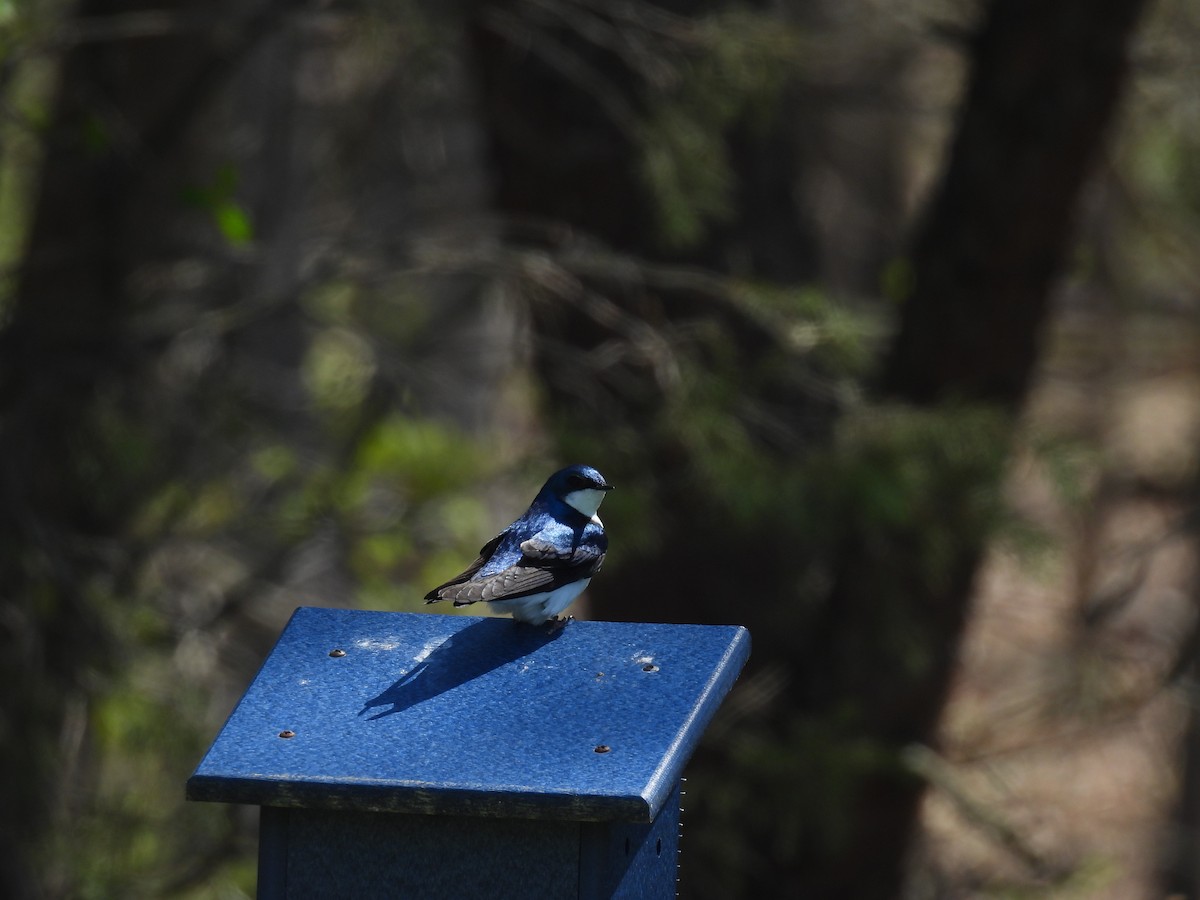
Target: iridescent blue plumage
538, 565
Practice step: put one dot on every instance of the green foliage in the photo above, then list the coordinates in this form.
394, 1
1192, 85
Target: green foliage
96, 137
333, 302
233, 222
27, 92
795, 798
218, 198
897, 281
145, 731
686, 166
407, 506
910, 491
432, 459
901, 463
732, 67
920, 483
407, 502
338, 369
833, 339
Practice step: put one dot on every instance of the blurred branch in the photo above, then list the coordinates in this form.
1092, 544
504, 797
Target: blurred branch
39, 40
985, 818
231, 37
630, 43
1180, 870
128, 26
1101, 606
561, 273
1173, 236
571, 65
646, 16
196, 871
1116, 713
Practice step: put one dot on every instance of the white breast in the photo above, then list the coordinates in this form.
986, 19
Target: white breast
538, 608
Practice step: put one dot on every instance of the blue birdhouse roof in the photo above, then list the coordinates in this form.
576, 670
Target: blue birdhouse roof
458, 715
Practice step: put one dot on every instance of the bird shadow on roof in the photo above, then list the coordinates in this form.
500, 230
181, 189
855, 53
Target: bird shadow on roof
463, 656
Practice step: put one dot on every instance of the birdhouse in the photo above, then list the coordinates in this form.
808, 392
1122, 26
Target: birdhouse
411, 755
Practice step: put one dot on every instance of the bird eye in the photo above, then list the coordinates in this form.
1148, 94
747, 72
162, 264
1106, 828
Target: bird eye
577, 482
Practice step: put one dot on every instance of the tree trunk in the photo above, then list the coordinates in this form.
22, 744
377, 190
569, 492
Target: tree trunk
1046, 78
1045, 82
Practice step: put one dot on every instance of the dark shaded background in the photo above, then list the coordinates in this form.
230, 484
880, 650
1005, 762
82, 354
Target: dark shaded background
302, 300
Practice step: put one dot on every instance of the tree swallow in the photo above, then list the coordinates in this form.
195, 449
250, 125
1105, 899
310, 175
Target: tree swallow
540, 563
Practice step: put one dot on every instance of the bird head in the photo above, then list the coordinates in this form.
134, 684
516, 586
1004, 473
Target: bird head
580, 487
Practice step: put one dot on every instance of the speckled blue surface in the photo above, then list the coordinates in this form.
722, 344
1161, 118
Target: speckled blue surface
459, 715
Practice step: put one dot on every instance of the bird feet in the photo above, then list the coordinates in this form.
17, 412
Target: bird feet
555, 624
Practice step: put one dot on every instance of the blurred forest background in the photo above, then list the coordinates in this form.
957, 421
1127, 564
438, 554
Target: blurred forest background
883, 317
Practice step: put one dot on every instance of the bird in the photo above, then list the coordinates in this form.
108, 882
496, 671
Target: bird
538, 565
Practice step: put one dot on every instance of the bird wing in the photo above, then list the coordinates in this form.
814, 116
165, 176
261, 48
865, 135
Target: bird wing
485, 553
543, 568
546, 553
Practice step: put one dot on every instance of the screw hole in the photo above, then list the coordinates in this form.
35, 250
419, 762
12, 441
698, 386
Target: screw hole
658, 847
626, 846
649, 667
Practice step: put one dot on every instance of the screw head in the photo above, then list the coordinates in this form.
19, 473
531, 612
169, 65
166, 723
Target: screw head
338, 653
649, 667
603, 748
287, 733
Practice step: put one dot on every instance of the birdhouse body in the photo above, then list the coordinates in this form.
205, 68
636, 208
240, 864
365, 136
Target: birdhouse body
409, 755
